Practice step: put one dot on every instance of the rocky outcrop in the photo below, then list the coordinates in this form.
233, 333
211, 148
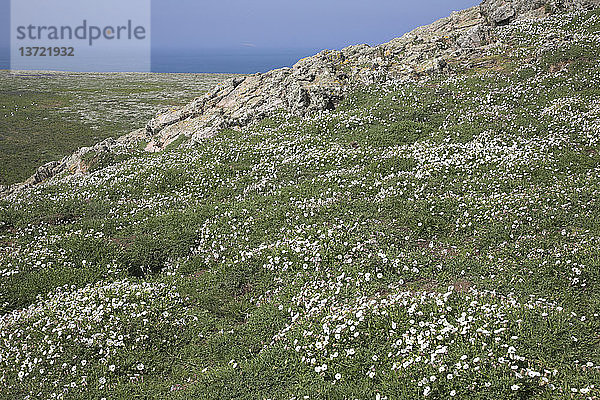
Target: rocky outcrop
315, 83
502, 12
320, 82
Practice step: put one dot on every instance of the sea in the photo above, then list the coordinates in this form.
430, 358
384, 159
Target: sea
245, 61
226, 61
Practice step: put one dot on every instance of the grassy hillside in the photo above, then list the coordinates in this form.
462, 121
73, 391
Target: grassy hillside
45, 116
436, 239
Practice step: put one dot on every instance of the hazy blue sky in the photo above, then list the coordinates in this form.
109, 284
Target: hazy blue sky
253, 28
291, 23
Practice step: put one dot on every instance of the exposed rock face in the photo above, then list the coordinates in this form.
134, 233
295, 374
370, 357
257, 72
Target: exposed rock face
320, 82
315, 83
502, 12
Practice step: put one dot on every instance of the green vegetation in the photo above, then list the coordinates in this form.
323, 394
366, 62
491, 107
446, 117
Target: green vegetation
45, 116
433, 239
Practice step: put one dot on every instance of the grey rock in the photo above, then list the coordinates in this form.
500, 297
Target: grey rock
501, 12
473, 38
320, 82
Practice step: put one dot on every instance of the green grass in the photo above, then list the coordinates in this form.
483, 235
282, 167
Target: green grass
437, 239
47, 116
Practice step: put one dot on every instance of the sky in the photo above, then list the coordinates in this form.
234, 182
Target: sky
269, 33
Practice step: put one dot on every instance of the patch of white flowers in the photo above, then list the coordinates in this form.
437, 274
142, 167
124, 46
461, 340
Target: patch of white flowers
74, 339
442, 343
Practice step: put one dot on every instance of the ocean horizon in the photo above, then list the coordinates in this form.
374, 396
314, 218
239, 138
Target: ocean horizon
226, 60
229, 61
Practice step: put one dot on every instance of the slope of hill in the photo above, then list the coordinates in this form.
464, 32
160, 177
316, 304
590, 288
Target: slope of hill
418, 235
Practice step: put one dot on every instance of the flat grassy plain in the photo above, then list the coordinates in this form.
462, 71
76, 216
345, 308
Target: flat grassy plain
437, 239
45, 116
